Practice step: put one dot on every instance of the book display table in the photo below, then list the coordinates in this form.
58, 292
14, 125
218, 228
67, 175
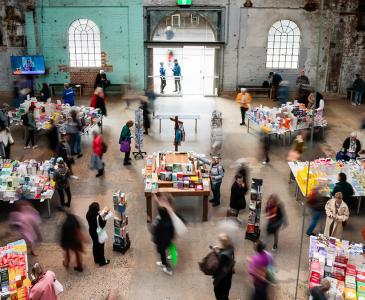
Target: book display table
177, 173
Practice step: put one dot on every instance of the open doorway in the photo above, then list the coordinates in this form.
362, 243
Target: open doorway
199, 74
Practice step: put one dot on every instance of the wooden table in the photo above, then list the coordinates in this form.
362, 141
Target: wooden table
178, 193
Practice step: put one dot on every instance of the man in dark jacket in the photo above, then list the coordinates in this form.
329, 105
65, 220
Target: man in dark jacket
275, 80
316, 202
359, 87
351, 147
345, 188
238, 192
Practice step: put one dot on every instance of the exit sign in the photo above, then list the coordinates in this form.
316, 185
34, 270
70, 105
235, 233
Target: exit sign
184, 2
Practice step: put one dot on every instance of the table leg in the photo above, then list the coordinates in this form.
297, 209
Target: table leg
49, 207
205, 208
160, 125
358, 205
149, 208
196, 125
248, 125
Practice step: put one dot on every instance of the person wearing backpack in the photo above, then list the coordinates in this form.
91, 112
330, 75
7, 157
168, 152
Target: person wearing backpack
61, 178
163, 234
31, 127
222, 279
259, 268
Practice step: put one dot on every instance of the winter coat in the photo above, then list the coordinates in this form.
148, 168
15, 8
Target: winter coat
98, 145
359, 85
238, 200
43, 289
176, 70
342, 213
346, 189
125, 134
71, 234
61, 177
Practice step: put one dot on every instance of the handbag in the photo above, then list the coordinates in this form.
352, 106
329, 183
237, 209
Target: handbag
58, 287
178, 224
125, 146
102, 235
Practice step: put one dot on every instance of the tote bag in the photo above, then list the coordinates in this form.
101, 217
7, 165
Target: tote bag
125, 146
102, 235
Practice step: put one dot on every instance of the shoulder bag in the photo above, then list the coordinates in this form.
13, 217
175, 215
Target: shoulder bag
102, 235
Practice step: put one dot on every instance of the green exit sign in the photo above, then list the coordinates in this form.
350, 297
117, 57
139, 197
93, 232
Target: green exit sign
184, 2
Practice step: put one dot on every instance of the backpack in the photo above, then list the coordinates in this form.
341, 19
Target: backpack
25, 120
104, 147
210, 263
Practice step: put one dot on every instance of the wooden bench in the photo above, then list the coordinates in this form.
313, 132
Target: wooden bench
256, 89
181, 117
60, 86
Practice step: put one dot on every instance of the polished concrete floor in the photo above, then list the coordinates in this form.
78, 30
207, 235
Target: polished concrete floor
135, 275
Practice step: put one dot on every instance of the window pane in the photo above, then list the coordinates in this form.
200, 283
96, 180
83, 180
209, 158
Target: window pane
275, 65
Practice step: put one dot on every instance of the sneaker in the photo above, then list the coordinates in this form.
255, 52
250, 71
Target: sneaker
166, 270
27, 147
216, 204
168, 257
107, 262
79, 156
74, 177
211, 200
159, 263
353, 104
127, 163
264, 162
35, 147
274, 248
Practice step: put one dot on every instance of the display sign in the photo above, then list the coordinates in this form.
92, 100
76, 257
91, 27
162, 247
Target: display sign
184, 2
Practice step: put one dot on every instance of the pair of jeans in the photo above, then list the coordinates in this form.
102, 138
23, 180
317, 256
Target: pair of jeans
316, 215
358, 97
216, 190
30, 138
243, 113
177, 84
163, 84
76, 142
62, 196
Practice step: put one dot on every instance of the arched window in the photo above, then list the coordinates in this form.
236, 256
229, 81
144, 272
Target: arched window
84, 44
283, 45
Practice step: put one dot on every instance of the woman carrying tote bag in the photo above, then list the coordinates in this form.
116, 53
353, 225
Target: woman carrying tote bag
97, 233
125, 142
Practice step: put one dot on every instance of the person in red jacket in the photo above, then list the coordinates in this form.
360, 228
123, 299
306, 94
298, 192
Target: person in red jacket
96, 158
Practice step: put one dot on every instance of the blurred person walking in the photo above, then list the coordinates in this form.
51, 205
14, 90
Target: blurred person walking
283, 93
45, 93
275, 80
98, 100
338, 214
222, 280
43, 284
68, 95
53, 137
97, 155
163, 233
96, 219
276, 218
316, 201
61, 177
31, 127
259, 268
72, 239
64, 151
125, 142
74, 129
237, 199
302, 84
244, 99
26, 220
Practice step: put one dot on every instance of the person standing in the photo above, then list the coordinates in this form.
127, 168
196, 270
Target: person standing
95, 220
163, 234
216, 174
72, 238
68, 95
345, 188
101, 80
31, 128
125, 138
259, 268
359, 87
162, 77
222, 280
176, 71
316, 201
276, 218
244, 99
302, 84
61, 177
146, 116
283, 92
96, 158
238, 193
74, 129
351, 147
6, 140
337, 213
43, 284
45, 93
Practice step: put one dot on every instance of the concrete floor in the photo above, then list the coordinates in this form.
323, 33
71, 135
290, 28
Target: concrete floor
135, 275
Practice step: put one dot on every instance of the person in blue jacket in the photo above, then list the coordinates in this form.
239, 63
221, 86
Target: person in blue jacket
176, 70
68, 95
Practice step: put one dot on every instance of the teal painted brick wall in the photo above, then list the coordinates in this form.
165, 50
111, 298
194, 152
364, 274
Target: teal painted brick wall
121, 30
29, 31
